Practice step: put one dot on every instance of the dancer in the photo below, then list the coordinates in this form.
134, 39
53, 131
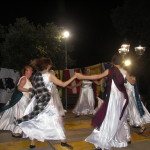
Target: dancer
111, 128
42, 120
85, 103
18, 103
138, 115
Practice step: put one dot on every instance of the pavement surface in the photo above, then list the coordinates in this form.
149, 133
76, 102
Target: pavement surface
77, 129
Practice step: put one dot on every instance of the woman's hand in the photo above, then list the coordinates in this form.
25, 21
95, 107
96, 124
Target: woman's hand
30, 90
75, 76
69, 87
78, 75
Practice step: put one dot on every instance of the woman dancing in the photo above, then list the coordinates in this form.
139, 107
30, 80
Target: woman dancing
18, 103
138, 115
111, 128
85, 102
42, 120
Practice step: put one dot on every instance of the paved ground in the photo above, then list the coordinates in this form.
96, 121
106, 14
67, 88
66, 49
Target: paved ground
77, 129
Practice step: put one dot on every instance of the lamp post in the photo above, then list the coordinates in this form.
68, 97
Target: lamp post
66, 35
140, 50
124, 50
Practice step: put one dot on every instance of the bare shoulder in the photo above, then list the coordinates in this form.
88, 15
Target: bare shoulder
51, 77
23, 79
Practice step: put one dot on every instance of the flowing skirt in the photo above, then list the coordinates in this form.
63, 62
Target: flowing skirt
133, 113
85, 103
48, 125
8, 117
113, 132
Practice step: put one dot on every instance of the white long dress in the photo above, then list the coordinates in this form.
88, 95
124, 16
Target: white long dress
133, 114
17, 111
113, 132
58, 102
47, 125
85, 103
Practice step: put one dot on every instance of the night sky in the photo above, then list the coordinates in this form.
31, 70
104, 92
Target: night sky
92, 34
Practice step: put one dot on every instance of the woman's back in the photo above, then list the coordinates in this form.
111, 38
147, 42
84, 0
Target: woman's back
46, 81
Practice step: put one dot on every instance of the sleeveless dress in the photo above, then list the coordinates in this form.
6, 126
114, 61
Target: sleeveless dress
17, 111
133, 113
112, 132
85, 103
47, 125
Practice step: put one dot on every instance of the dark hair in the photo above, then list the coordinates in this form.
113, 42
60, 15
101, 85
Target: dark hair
132, 71
25, 68
116, 59
83, 70
43, 62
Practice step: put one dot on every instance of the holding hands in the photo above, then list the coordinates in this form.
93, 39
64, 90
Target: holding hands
30, 90
79, 75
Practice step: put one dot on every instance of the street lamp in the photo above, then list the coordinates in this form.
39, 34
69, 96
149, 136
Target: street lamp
66, 35
140, 50
125, 50
127, 62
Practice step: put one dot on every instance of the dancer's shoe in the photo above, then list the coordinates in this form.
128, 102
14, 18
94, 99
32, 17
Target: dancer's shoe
66, 145
32, 146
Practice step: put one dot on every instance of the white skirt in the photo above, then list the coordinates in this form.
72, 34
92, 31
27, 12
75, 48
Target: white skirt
8, 116
85, 103
113, 132
47, 125
133, 113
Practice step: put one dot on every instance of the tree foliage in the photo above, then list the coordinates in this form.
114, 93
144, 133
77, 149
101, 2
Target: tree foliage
23, 41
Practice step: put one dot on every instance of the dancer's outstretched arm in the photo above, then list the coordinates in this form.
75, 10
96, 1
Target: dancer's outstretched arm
92, 77
58, 82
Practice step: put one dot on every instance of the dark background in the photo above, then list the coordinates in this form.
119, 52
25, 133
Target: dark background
93, 35
94, 38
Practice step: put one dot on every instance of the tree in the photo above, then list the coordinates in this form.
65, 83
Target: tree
52, 42
23, 41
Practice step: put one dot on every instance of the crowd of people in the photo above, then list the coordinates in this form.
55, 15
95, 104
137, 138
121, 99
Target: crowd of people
35, 110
